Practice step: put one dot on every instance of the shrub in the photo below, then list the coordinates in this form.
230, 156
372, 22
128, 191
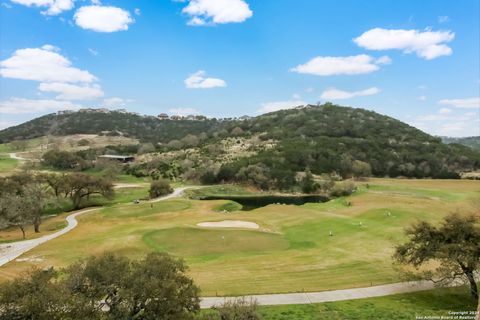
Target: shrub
160, 188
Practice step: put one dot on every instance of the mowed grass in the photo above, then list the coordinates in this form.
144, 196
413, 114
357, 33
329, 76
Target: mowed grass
7, 165
433, 303
291, 252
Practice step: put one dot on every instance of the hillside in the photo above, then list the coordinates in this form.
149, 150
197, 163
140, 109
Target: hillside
472, 142
320, 139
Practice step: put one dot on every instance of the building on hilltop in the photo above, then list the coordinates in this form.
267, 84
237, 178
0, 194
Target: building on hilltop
163, 116
123, 159
65, 112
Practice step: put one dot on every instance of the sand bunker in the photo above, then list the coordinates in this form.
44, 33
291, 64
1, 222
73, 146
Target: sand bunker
229, 224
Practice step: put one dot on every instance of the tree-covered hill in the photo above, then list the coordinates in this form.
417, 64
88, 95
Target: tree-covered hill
320, 139
144, 128
472, 142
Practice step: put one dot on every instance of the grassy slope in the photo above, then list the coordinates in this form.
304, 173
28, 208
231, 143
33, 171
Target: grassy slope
291, 252
399, 307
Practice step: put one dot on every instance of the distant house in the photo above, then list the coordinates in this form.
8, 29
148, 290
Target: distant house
176, 117
103, 110
65, 112
190, 117
121, 110
123, 159
163, 116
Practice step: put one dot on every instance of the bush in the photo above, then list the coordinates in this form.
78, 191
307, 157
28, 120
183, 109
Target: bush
343, 189
160, 188
237, 309
104, 287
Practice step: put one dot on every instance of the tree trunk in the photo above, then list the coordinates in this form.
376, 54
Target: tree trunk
473, 285
36, 224
23, 231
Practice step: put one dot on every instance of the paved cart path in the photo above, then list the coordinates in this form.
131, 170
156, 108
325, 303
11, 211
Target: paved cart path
11, 251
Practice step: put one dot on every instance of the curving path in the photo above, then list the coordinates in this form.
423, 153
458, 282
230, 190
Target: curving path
14, 156
326, 296
11, 251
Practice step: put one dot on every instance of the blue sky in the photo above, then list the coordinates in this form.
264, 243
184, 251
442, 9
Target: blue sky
417, 61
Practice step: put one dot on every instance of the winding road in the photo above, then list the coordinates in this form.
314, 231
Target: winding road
11, 251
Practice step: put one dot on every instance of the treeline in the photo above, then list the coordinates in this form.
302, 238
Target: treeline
114, 287
24, 198
146, 129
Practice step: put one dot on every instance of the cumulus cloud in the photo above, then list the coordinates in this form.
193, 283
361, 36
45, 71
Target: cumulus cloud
183, 111
350, 65
199, 81
336, 94
68, 91
217, 11
447, 123
468, 103
444, 111
280, 105
103, 18
6, 124
443, 19
43, 64
52, 7
21, 105
115, 102
426, 44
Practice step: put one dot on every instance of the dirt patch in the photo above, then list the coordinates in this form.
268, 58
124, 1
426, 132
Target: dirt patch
229, 224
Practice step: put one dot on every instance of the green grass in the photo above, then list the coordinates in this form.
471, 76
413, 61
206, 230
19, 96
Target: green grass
220, 190
184, 242
146, 209
399, 307
7, 165
6, 148
229, 206
291, 252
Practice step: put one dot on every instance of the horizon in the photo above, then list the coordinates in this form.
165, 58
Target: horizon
415, 62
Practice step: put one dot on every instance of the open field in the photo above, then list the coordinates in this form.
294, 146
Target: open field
290, 252
7, 165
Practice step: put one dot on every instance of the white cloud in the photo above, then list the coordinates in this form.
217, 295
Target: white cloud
115, 102
103, 18
350, 65
335, 94
280, 105
217, 11
422, 98
43, 64
137, 11
72, 92
53, 7
93, 52
445, 111
443, 19
199, 81
469, 103
21, 105
6, 124
426, 44
446, 123
183, 111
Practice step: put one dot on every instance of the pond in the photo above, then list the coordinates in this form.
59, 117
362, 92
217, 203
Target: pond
253, 202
